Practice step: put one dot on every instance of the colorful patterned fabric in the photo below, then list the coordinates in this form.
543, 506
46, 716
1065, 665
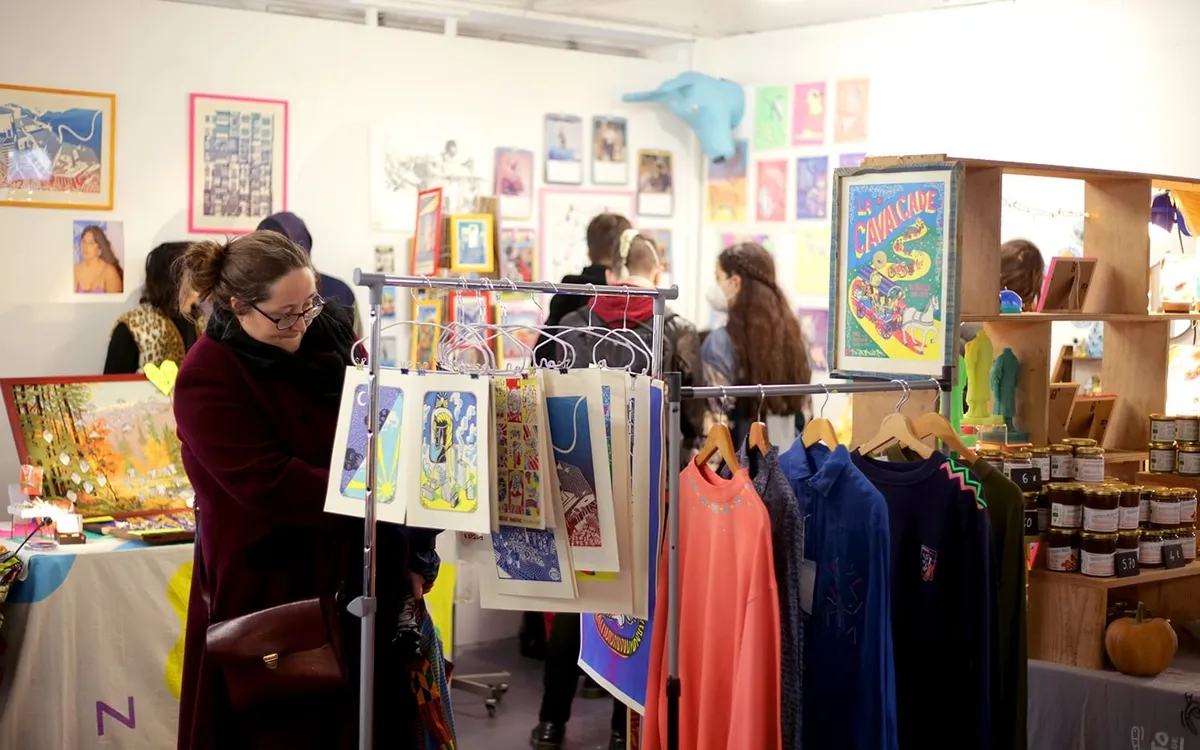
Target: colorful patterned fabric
431, 686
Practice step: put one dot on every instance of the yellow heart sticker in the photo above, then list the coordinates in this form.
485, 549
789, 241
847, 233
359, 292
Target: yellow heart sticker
163, 376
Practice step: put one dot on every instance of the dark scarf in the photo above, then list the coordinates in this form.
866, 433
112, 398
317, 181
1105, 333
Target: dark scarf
318, 366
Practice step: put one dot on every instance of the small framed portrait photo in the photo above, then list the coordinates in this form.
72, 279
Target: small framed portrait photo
471, 245
427, 240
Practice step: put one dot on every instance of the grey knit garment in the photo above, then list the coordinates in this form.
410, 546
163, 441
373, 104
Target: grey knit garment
787, 545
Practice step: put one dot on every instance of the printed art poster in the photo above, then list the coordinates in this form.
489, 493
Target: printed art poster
895, 263
726, 188
853, 111
814, 327
771, 191
520, 445
770, 117
812, 187
808, 114
449, 452
812, 260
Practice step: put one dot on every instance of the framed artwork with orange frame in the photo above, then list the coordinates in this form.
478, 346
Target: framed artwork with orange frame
427, 317
60, 147
427, 238
471, 243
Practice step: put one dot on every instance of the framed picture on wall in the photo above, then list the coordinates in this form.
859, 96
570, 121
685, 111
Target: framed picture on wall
427, 242
514, 183
471, 247
518, 256
656, 184
427, 322
56, 148
894, 298
564, 150
610, 151
237, 167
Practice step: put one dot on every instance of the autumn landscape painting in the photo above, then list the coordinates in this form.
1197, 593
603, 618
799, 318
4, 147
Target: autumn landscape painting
106, 443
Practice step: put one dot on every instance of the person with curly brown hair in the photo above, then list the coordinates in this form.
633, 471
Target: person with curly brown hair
760, 343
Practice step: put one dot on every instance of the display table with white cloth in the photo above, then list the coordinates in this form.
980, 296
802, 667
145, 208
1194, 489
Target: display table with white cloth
1092, 709
92, 647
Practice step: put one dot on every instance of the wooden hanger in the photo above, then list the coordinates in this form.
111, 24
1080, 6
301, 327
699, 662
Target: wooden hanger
719, 440
758, 430
819, 429
935, 425
896, 428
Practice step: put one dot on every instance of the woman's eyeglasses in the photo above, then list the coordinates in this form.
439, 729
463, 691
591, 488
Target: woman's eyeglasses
285, 322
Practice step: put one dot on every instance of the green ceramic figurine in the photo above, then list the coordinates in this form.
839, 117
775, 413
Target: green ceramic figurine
1006, 374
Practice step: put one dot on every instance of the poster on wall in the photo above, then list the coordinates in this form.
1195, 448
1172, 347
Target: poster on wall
771, 191
812, 260
851, 160
237, 171
725, 191
656, 184
99, 258
402, 166
853, 111
662, 242
564, 216
518, 255
770, 117
894, 268
564, 150
56, 148
610, 151
814, 327
812, 187
808, 114
514, 183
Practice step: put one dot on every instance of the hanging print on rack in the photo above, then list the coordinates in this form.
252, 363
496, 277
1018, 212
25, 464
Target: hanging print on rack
348, 470
893, 298
446, 492
521, 452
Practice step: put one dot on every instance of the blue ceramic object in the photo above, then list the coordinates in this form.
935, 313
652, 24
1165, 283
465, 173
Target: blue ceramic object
1010, 302
712, 107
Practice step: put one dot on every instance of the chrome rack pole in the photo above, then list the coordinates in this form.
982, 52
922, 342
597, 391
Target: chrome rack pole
656, 338
674, 436
364, 607
750, 391
529, 287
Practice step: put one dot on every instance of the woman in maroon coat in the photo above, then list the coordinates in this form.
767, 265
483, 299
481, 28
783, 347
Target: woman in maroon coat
256, 404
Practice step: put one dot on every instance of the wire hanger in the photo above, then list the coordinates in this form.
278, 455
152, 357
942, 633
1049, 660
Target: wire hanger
719, 440
820, 429
935, 425
896, 428
758, 430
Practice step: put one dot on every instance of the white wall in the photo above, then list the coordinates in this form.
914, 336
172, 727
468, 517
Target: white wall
339, 79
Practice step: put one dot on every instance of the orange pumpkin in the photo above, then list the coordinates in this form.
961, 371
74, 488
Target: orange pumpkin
1141, 646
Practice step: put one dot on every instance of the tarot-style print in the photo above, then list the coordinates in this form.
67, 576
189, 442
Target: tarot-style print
518, 457
526, 554
571, 438
449, 452
387, 445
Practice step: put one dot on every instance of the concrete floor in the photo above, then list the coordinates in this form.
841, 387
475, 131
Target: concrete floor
518, 712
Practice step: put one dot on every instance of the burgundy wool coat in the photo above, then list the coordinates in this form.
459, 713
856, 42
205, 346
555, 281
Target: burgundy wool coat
256, 447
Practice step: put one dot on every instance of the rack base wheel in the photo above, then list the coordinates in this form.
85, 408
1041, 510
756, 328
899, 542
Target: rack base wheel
491, 705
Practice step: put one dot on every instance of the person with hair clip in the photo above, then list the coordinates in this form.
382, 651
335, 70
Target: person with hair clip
636, 265
1022, 269
256, 407
760, 343
154, 331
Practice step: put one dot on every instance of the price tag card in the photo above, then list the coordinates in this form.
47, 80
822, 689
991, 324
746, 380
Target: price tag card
1031, 522
1173, 556
1027, 479
1127, 563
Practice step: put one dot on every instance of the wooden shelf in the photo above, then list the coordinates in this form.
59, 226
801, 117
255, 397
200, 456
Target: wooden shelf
1077, 317
1168, 480
1156, 575
1120, 456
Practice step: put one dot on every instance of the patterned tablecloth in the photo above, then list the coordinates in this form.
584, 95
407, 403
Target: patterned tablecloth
92, 647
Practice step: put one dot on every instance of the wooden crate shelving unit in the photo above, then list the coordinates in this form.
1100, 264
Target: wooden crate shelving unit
1067, 611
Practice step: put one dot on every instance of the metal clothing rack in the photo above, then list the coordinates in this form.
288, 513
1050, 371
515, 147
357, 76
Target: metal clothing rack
676, 392
365, 606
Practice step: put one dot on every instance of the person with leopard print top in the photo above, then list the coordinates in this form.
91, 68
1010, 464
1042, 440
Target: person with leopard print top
154, 331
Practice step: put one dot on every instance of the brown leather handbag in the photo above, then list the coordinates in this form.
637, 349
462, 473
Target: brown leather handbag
288, 651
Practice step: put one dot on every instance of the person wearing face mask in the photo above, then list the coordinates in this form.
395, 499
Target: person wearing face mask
760, 343
256, 407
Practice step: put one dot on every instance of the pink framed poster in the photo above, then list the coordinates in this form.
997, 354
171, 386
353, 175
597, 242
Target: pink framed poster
232, 184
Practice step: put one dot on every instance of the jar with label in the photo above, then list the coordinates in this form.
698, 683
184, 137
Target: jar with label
1040, 458
1089, 465
1187, 505
1187, 540
1164, 508
1144, 500
1062, 550
1062, 463
992, 456
1066, 505
1162, 458
1150, 549
1131, 506
1162, 428
1188, 460
1098, 554
1101, 509
1016, 461
1127, 541
1077, 443
1043, 509
1187, 429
